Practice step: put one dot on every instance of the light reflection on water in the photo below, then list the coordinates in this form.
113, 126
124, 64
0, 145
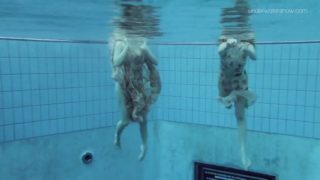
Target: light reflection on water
138, 19
175, 20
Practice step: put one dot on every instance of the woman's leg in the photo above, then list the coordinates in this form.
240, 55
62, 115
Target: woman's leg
240, 106
125, 119
122, 123
144, 136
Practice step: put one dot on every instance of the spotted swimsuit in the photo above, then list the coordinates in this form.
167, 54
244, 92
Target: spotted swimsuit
233, 76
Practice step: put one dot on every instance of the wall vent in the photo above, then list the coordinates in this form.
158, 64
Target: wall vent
213, 172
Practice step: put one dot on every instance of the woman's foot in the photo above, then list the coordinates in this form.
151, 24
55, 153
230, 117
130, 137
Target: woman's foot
142, 154
227, 101
117, 142
246, 162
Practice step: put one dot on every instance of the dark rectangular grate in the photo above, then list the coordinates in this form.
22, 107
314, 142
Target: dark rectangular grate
214, 172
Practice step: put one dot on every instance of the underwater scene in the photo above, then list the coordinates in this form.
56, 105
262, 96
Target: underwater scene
159, 90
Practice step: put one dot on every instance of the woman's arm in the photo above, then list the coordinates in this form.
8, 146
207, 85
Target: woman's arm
119, 52
154, 75
222, 48
155, 82
251, 51
148, 55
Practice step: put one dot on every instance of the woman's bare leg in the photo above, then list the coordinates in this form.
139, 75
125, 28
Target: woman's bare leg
144, 136
240, 106
125, 119
122, 123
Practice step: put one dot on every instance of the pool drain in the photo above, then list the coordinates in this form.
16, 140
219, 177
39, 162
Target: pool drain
87, 158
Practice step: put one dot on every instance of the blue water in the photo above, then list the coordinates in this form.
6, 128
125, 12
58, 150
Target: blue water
186, 21
55, 88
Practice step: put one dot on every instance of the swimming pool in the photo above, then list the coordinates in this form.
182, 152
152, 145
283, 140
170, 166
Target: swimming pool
57, 98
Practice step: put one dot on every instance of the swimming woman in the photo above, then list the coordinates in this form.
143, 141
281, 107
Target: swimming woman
137, 83
233, 82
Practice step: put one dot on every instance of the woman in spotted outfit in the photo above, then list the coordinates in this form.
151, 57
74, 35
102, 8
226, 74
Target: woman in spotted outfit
233, 82
137, 82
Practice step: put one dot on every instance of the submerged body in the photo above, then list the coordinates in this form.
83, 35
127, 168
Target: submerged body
233, 84
233, 78
137, 84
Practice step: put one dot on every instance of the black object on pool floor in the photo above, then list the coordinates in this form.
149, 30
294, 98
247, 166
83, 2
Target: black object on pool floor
204, 171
